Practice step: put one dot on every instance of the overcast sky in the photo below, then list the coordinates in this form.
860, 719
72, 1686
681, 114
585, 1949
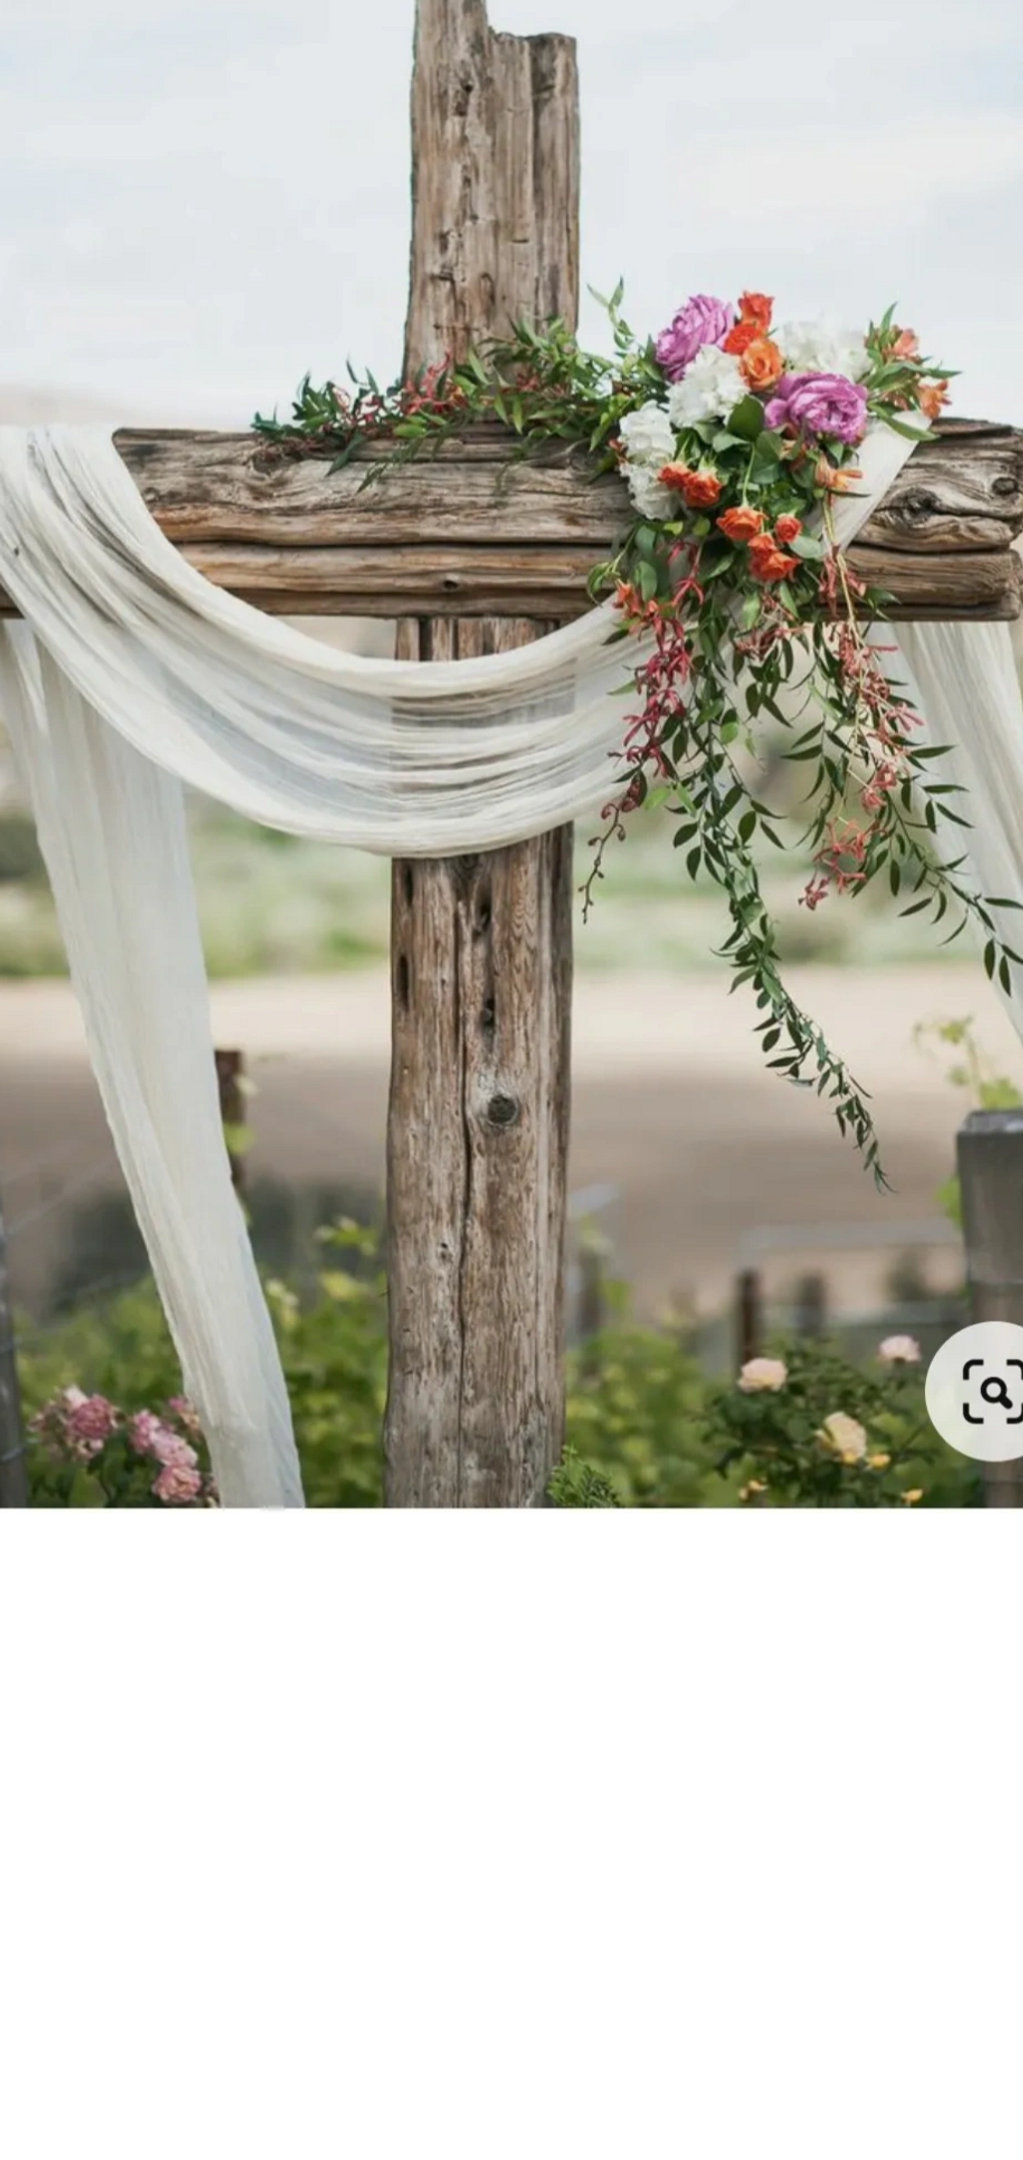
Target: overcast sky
203, 200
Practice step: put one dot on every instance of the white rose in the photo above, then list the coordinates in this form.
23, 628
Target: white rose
651, 497
899, 1350
709, 390
648, 436
759, 1373
822, 347
844, 1436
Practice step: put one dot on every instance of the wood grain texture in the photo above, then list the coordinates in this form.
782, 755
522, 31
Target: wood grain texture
472, 531
481, 945
549, 582
964, 489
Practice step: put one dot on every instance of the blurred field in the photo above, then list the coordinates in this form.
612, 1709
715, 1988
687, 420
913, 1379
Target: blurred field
273, 905
676, 1125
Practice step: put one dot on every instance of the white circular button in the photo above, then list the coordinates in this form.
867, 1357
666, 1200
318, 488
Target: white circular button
974, 1391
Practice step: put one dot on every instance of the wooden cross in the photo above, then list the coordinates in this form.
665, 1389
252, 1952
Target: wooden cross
472, 556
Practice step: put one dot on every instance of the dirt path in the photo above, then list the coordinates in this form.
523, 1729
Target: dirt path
671, 1107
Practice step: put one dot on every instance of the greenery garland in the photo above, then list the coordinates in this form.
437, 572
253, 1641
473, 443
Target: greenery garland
734, 439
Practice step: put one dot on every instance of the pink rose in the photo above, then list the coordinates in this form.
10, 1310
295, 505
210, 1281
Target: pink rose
90, 1422
177, 1485
145, 1429
816, 405
702, 321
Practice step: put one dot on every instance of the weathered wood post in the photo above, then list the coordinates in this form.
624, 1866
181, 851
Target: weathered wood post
749, 1318
989, 1149
231, 1089
13, 1475
481, 945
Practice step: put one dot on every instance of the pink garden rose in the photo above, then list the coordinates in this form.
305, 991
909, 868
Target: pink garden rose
145, 1431
90, 1421
702, 321
178, 1483
816, 405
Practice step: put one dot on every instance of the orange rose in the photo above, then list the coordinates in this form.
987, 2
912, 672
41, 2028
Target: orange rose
787, 529
762, 364
741, 523
700, 490
740, 337
767, 561
755, 307
932, 397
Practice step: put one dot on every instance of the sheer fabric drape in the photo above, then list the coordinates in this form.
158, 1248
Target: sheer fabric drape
130, 677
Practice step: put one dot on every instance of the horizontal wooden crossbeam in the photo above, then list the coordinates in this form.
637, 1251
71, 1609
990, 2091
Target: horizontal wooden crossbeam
472, 531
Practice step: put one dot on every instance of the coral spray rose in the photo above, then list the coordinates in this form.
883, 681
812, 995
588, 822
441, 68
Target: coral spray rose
756, 307
762, 364
700, 490
767, 561
742, 523
787, 529
753, 324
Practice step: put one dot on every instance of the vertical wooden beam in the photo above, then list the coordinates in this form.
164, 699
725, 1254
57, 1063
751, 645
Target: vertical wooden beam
13, 1474
481, 945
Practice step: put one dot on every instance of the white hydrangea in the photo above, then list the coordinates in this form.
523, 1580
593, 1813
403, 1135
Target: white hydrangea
822, 347
648, 436
651, 497
710, 389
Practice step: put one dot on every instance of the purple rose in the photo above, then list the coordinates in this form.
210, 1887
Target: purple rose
702, 321
819, 405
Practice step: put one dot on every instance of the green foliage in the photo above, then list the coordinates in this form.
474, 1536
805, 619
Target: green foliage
973, 1073
635, 1414
20, 859
334, 1351
578, 1484
645, 1428
836, 1435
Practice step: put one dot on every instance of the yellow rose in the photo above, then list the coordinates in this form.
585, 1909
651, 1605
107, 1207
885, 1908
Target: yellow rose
761, 1373
844, 1437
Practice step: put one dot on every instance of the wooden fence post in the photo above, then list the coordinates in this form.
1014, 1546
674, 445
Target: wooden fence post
812, 1305
13, 1470
231, 1085
749, 1324
481, 950
989, 1150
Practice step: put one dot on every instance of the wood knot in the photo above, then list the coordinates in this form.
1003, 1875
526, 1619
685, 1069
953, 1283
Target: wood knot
451, 582
1003, 484
919, 504
502, 1110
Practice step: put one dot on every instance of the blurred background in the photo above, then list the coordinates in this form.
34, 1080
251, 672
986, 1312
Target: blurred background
202, 203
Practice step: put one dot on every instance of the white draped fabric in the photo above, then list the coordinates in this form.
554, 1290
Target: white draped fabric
131, 676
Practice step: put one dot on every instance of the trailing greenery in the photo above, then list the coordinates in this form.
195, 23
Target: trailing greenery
735, 438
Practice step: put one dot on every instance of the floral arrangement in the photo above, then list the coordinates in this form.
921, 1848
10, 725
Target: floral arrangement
810, 1430
735, 435
96, 1455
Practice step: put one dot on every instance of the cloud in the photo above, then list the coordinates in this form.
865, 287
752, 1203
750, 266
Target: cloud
202, 202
